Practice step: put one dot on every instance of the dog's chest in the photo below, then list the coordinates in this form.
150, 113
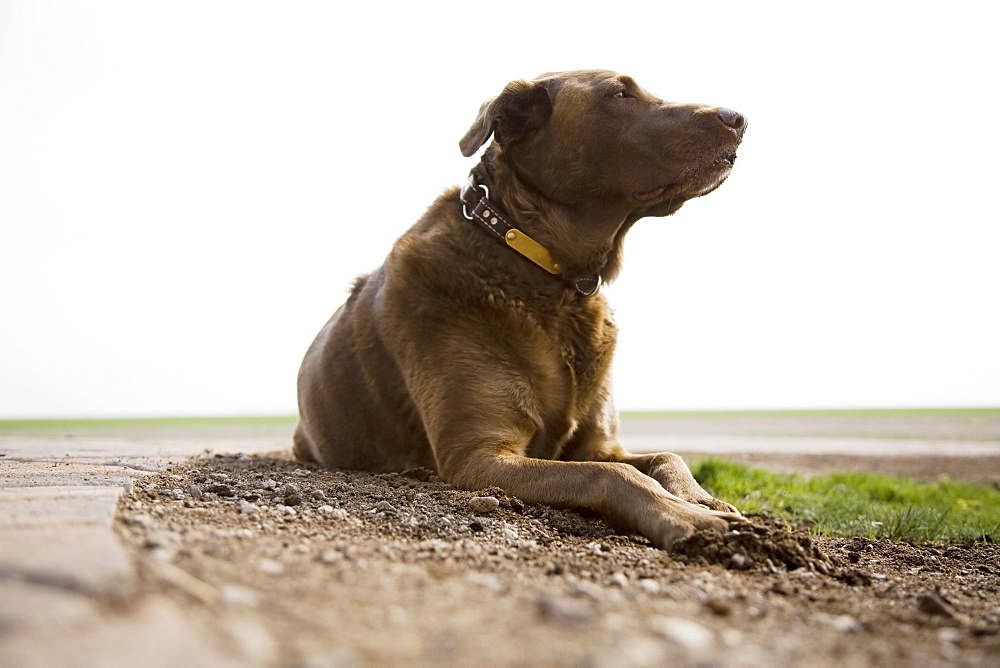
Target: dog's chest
584, 340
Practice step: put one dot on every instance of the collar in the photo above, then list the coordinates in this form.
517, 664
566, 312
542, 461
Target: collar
485, 213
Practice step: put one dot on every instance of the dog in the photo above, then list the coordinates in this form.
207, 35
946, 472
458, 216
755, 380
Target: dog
481, 348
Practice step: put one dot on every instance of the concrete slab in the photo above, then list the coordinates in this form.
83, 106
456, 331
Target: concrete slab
15, 446
33, 507
50, 472
86, 559
151, 633
31, 608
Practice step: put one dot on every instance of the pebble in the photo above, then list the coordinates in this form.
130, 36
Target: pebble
330, 556
221, 477
195, 491
270, 567
247, 508
692, 636
269, 484
333, 513
385, 507
302, 473
842, 623
318, 494
618, 580
285, 510
293, 499
932, 603
483, 505
718, 606
563, 610
650, 586
738, 560
221, 490
486, 581
235, 595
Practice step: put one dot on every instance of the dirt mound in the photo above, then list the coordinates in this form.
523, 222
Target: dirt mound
753, 546
294, 564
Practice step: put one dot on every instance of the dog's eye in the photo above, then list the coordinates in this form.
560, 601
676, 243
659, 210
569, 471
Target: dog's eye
622, 94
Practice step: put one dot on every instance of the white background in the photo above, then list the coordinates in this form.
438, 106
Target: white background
187, 190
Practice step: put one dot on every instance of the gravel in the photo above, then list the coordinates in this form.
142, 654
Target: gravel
406, 569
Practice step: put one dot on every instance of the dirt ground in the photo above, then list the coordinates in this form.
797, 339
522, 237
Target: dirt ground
290, 564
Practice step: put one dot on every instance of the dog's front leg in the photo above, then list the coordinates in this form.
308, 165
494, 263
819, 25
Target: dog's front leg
623, 495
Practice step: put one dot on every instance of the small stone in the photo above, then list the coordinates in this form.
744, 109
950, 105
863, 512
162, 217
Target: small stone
302, 473
220, 477
330, 556
950, 635
269, 484
235, 595
221, 490
649, 585
932, 603
845, 624
293, 499
718, 606
483, 505
270, 567
247, 508
195, 492
563, 610
618, 580
285, 510
385, 507
692, 636
738, 561
486, 581
318, 494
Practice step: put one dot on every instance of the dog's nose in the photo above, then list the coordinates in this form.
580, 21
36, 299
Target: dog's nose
732, 119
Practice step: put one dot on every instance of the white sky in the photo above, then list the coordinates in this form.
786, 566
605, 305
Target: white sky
188, 188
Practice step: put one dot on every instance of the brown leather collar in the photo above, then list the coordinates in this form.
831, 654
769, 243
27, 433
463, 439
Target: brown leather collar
485, 213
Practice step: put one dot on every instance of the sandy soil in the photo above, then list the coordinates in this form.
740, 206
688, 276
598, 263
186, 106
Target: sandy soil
292, 564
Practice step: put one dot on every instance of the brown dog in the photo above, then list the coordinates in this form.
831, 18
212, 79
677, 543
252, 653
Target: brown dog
481, 348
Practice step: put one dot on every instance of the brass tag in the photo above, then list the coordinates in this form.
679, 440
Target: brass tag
532, 250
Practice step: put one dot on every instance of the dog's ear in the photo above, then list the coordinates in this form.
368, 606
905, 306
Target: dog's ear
521, 108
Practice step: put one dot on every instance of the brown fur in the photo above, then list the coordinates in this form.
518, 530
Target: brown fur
461, 356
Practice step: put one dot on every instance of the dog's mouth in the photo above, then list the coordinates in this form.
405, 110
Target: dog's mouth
714, 171
727, 160
647, 195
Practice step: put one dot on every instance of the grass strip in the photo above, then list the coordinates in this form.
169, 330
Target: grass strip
818, 413
859, 504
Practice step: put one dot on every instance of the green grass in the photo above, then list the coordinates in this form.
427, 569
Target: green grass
843, 413
126, 426
860, 504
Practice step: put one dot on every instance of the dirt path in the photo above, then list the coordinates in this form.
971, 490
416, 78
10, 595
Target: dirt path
290, 564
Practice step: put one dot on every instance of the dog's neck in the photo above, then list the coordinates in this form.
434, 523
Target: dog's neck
477, 207
585, 243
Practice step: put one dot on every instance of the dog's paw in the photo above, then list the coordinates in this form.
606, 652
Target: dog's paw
714, 504
680, 519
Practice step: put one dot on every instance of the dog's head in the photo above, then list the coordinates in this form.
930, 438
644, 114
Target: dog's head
596, 138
